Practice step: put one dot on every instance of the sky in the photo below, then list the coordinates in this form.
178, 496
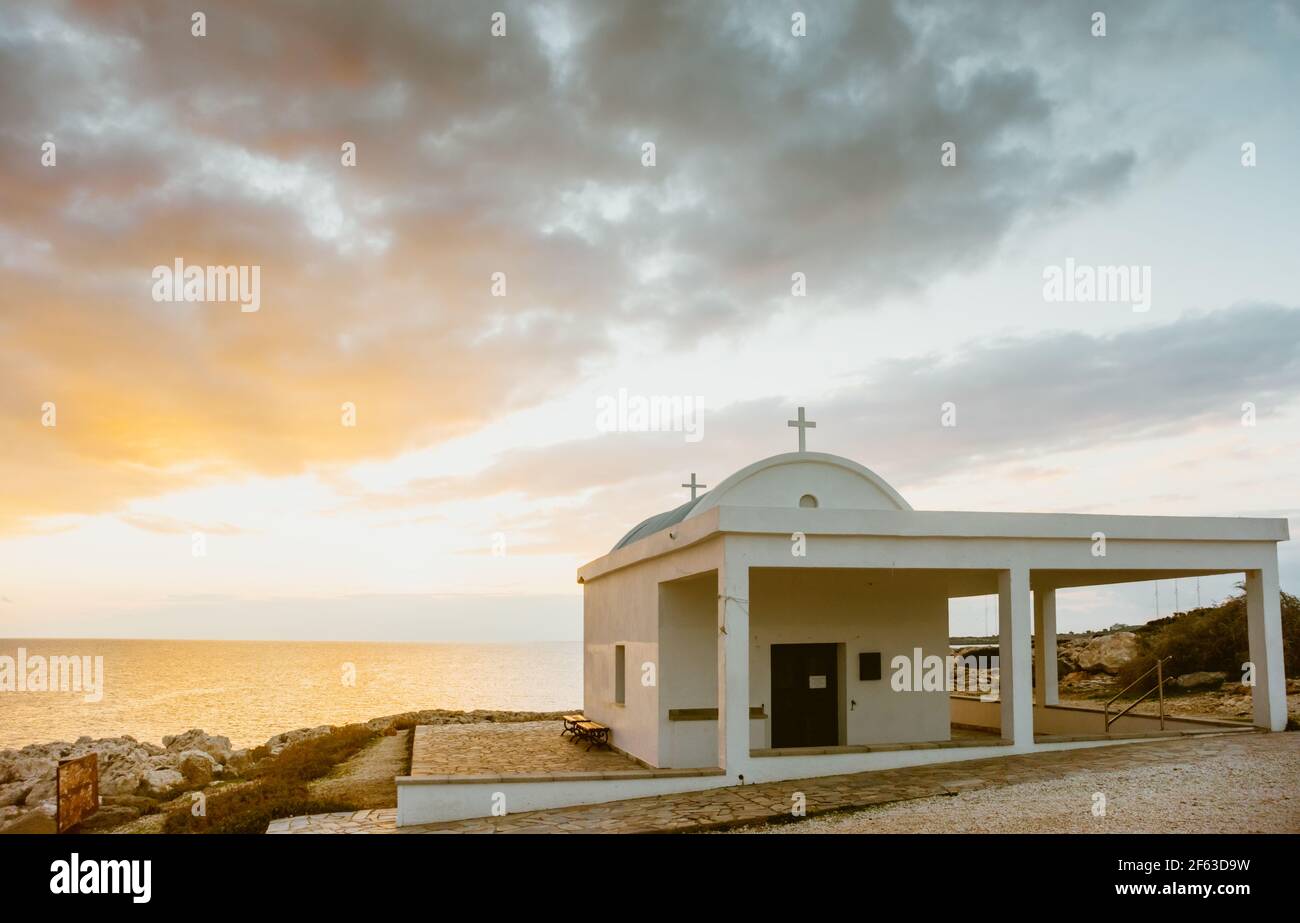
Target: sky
501, 256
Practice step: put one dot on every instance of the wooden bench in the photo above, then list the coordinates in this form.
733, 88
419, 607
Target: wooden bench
571, 723
594, 734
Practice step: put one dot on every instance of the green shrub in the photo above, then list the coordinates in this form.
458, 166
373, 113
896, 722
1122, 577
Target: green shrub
1213, 638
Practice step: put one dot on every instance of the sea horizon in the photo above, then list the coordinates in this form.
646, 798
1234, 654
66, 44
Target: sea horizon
251, 690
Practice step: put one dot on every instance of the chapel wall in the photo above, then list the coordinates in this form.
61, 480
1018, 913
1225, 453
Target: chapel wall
871, 611
622, 607
688, 669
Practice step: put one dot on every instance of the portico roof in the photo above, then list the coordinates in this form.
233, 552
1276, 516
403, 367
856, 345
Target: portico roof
934, 524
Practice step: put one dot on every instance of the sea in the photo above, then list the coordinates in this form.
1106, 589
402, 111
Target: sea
252, 690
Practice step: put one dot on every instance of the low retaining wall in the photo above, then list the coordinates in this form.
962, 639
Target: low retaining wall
429, 800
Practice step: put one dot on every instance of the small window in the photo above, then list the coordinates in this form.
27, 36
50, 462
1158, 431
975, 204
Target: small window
808, 502
620, 673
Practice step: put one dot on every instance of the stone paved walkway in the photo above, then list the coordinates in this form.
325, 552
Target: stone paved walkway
722, 808
504, 749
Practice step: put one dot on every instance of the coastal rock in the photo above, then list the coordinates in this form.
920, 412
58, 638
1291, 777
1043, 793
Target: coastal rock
106, 747
13, 793
194, 739
197, 767
125, 774
163, 761
1109, 653
53, 751
33, 768
237, 762
277, 743
110, 747
1199, 679
162, 783
44, 790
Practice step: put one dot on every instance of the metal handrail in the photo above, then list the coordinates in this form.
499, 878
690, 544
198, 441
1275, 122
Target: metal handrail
1159, 671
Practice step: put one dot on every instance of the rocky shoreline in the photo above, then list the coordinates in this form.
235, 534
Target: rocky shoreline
135, 777
1088, 668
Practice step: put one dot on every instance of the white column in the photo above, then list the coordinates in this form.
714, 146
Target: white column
733, 666
1264, 625
1045, 679
1013, 656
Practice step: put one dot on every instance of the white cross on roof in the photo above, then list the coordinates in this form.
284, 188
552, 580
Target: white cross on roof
801, 424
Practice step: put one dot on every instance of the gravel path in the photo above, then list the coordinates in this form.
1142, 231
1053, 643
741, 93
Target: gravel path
1252, 786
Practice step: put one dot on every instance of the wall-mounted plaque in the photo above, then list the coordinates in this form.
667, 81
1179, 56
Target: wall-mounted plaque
78, 790
869, 665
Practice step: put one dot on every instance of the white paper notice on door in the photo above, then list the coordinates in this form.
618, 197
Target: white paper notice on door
816, 682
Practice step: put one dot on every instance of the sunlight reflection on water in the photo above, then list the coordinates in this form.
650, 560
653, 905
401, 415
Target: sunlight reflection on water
251, 690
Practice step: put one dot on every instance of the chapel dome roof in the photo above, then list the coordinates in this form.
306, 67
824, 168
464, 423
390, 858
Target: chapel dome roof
790, 480
657, 523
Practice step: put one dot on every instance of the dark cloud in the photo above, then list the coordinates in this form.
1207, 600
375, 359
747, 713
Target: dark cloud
475, 155
1028, 396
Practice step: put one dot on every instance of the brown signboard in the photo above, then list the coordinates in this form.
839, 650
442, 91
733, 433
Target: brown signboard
78, 790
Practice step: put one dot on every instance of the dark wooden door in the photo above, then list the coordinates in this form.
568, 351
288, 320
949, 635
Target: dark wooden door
805, 695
